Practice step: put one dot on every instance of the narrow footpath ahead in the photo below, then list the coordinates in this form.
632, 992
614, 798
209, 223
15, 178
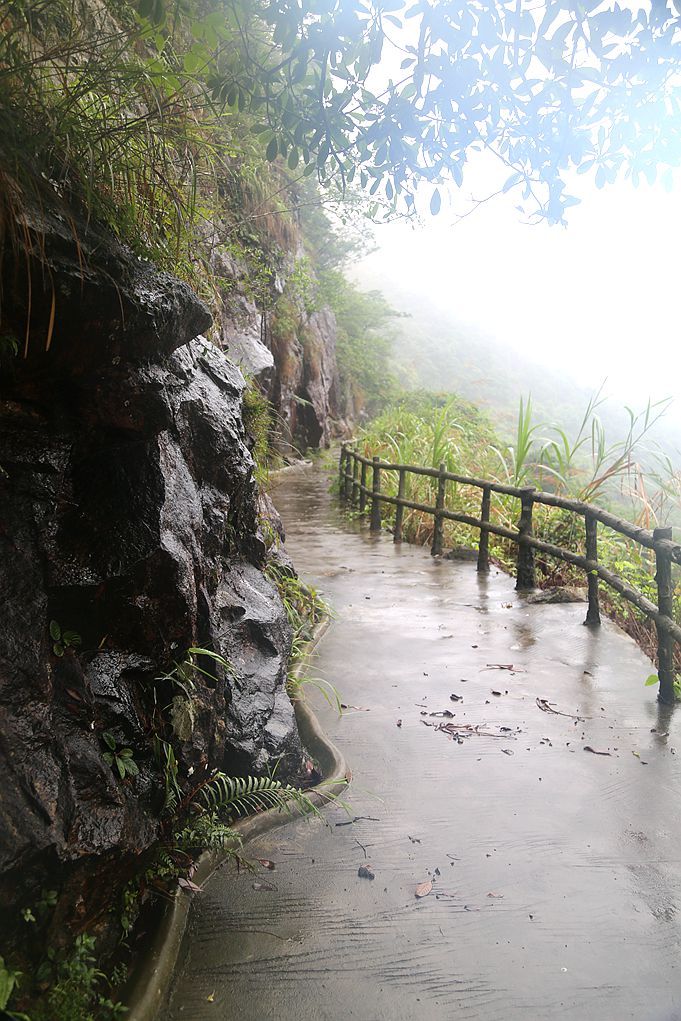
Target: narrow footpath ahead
551, 833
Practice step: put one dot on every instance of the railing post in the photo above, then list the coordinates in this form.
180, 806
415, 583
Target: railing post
399, 514
363, 489
347, 482
436, 548
341, 470
665, 604
355, 478
375, 524
483, 545
525, 575
593, 614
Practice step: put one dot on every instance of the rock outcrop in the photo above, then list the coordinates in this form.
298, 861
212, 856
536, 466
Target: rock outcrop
289, 350
128, 515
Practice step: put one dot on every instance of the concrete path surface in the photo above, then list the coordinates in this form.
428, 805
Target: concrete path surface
556, 871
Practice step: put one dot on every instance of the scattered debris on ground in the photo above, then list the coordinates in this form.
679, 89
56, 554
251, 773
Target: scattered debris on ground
358, 818
547, 707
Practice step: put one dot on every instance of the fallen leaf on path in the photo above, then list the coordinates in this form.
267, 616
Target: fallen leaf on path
399, 723
366, 872
497, 693
210, 998
499, 896
267, 887
594, 751
498, 666
266, 863
445, 712
359, 708
423, 889
456, 698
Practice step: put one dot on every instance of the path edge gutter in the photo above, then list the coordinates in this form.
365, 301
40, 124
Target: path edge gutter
155, 967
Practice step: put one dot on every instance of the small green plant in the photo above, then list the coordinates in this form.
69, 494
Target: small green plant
63, 640
121, 758
9, 980
303, 604
654, 679
9, 346
258, 418
166, 759
42, 908
296, 684
75, 993
184, 674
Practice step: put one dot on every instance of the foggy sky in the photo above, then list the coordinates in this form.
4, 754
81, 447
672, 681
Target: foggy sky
598, 298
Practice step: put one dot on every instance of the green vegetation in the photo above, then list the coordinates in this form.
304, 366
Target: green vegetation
429, 430
121, 758
364, 342
260, 424
76, 984
196, 814
303, 604
9, 979
63, 640
305, 610
128, 104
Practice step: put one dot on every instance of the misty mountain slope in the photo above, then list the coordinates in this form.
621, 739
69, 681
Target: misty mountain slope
437, 351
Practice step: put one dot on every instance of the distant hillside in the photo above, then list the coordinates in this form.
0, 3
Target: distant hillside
435, 351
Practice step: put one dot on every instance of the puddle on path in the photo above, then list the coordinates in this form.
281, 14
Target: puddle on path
556, 872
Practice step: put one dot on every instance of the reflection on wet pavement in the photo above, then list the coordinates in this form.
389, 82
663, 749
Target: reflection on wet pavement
556, 871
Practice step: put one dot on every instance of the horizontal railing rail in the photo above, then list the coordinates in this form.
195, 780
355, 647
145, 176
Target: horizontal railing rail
353, 476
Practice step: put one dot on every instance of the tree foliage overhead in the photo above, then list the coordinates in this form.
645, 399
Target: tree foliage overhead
397, 93
385, 93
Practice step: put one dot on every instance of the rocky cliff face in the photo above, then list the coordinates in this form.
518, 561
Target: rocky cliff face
128, 515
288, 349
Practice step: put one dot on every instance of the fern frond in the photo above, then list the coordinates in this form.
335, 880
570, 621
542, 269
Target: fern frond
235, 796
207, 832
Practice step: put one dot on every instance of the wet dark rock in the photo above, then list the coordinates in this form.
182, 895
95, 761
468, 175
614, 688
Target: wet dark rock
466, 553
561, 594
128, 514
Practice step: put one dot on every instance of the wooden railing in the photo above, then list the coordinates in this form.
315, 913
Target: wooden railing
354, 488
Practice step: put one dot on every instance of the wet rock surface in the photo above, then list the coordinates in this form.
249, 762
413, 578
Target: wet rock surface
293, 358
128, 515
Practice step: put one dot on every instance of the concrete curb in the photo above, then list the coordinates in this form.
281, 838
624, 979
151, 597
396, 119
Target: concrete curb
154, 972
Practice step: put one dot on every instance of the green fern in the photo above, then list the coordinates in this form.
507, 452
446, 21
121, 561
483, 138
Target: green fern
236, 796
207, 832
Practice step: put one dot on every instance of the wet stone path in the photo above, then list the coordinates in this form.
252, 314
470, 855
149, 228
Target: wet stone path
556, 871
